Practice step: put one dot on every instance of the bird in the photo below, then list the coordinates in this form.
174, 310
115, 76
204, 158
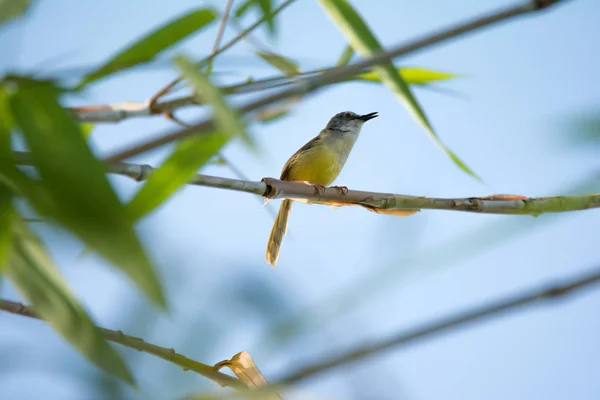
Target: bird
318, 162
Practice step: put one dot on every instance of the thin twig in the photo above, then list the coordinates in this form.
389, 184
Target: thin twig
460, 320
382, 203
220, 33
133, 342
308, 85
170, 85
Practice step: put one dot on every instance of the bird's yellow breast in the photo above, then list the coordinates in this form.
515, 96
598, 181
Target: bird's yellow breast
318, 165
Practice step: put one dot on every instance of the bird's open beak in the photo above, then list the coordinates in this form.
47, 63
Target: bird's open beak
368, 116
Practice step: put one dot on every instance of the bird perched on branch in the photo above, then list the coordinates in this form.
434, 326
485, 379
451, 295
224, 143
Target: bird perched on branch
318, 163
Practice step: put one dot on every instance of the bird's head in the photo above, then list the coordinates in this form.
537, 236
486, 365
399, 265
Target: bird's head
348, 121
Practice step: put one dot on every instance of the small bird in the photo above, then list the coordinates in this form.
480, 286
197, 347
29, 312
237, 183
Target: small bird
318, 162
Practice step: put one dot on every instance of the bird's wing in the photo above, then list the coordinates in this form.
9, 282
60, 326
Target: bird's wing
285, 172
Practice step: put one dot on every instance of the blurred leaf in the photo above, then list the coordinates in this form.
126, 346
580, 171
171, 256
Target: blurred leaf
283, 64
74, 190
227, 119
243, 8
278, 110
265, 7
32, 273
6, 124
189, 155
362, 40
149, 46
86, 129
345, 57
414, 76
7, 218
584, 129
7, 211
10, 9
9, 173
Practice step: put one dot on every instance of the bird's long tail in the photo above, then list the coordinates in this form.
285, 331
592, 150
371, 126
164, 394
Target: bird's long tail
278, 231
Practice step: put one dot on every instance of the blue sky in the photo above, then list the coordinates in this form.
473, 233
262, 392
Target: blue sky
354, 276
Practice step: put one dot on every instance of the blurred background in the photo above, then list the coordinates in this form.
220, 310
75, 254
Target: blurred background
523, 115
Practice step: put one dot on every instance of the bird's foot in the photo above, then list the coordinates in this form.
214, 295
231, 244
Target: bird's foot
343, 189
319, 189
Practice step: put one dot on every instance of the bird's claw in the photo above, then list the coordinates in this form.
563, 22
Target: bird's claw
319, 189
343, 189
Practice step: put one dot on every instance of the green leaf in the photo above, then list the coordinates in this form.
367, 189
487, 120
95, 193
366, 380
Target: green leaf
12, 177
363, 41
265, 7
285, 65
73, 189
7, 212
345, 57
149, 46
10, 9
86, 129
189, 155
227, 120
34, 275
6, 124
7, 218
244, 8
413, 76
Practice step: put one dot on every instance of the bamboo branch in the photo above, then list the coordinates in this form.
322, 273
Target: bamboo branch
460, 320
133, 342
382, 203
112, 113
308, 85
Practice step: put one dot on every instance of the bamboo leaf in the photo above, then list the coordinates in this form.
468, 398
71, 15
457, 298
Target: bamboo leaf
149, 46
86, 129
34, 275
189, 155
345, 57
6, 124
227, 119
413, 76
73, 189
265, 7
285, 65
7, 211
363, 41
243, 8
10, 9
7, 218
14, 179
